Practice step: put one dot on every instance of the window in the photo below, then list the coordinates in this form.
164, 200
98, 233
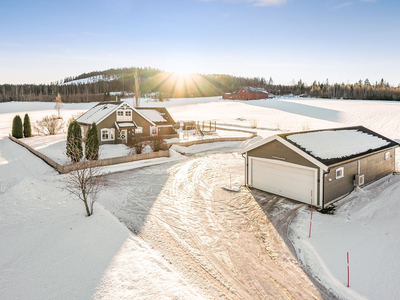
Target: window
107, 134
124, 115
387, 155
339, 173
139, 130
122, 134
154, 130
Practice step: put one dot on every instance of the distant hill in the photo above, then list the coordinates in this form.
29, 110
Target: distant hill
105, 85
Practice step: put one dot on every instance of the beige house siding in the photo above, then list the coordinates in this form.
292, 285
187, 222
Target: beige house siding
109, 122
142, 122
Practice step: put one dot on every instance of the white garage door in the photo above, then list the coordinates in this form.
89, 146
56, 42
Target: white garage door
284, 179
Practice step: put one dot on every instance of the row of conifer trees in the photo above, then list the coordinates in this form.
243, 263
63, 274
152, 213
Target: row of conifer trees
19, 131
74, 143
74, 138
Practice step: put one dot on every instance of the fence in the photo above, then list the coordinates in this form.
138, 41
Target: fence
213, 140
101, 162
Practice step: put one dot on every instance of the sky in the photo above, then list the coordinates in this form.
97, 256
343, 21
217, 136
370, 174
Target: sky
339, 40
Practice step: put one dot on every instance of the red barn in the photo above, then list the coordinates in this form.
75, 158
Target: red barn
247, 93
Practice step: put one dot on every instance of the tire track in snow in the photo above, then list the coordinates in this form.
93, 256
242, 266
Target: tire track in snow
221, 239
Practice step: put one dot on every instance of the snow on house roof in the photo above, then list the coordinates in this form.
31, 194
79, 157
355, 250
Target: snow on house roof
153, 115
256, 89
97, 113
331, 144
127, 124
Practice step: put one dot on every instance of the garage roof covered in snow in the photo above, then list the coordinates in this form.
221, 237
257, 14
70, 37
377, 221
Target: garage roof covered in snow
331, 146
328, 147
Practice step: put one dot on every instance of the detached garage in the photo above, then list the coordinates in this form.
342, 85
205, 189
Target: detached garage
323, 165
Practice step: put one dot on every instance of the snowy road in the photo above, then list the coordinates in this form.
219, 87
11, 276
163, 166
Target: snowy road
221, 242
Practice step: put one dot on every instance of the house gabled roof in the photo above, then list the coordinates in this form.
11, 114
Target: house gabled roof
159, 115
332, 146
103, 109
255, 90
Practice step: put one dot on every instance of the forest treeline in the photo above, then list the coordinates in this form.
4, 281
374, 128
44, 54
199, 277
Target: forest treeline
173, 85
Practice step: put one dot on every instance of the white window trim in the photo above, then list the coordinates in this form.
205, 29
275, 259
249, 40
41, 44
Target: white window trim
151, 130
123, 134
139, 130
110, 132
387, 155
124, 116
336, 173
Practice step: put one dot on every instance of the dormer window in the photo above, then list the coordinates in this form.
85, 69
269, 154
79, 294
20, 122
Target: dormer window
124, 115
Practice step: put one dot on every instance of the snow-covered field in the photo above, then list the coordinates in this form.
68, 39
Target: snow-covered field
43, 231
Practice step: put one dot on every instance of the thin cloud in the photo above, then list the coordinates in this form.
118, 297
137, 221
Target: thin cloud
334, 4
343, 5
255, 2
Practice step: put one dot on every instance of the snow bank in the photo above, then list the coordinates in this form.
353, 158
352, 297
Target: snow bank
365, 224
50, 250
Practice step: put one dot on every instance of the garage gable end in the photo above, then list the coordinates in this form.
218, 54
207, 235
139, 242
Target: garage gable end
281, 150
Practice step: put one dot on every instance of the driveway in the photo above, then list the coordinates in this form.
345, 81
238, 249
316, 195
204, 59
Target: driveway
229, 245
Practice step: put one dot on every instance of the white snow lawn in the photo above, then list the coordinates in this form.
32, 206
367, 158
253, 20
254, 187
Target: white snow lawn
49, 250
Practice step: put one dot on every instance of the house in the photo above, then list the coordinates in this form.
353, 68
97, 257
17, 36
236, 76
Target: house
161, 117
323, 165
247, 93
118, 122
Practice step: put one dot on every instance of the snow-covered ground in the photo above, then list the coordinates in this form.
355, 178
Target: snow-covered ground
50, 250
54, 147
364, 224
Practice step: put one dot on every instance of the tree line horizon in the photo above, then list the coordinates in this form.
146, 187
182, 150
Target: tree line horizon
170, 85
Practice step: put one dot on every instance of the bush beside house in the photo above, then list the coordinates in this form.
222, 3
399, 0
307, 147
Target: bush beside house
17, 127
27, 126
74, 142
92, 143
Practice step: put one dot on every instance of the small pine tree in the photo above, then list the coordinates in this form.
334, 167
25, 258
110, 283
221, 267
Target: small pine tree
17, 127
92, 143
27, 126
74, 142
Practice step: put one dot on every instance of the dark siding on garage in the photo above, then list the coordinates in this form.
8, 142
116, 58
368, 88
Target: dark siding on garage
277, 151
373, 167
335, 188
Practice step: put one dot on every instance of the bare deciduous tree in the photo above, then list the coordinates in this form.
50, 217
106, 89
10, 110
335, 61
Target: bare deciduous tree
49, 125
59, 105
85, 183
138, 144
74, 117
156, 143
137, 88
